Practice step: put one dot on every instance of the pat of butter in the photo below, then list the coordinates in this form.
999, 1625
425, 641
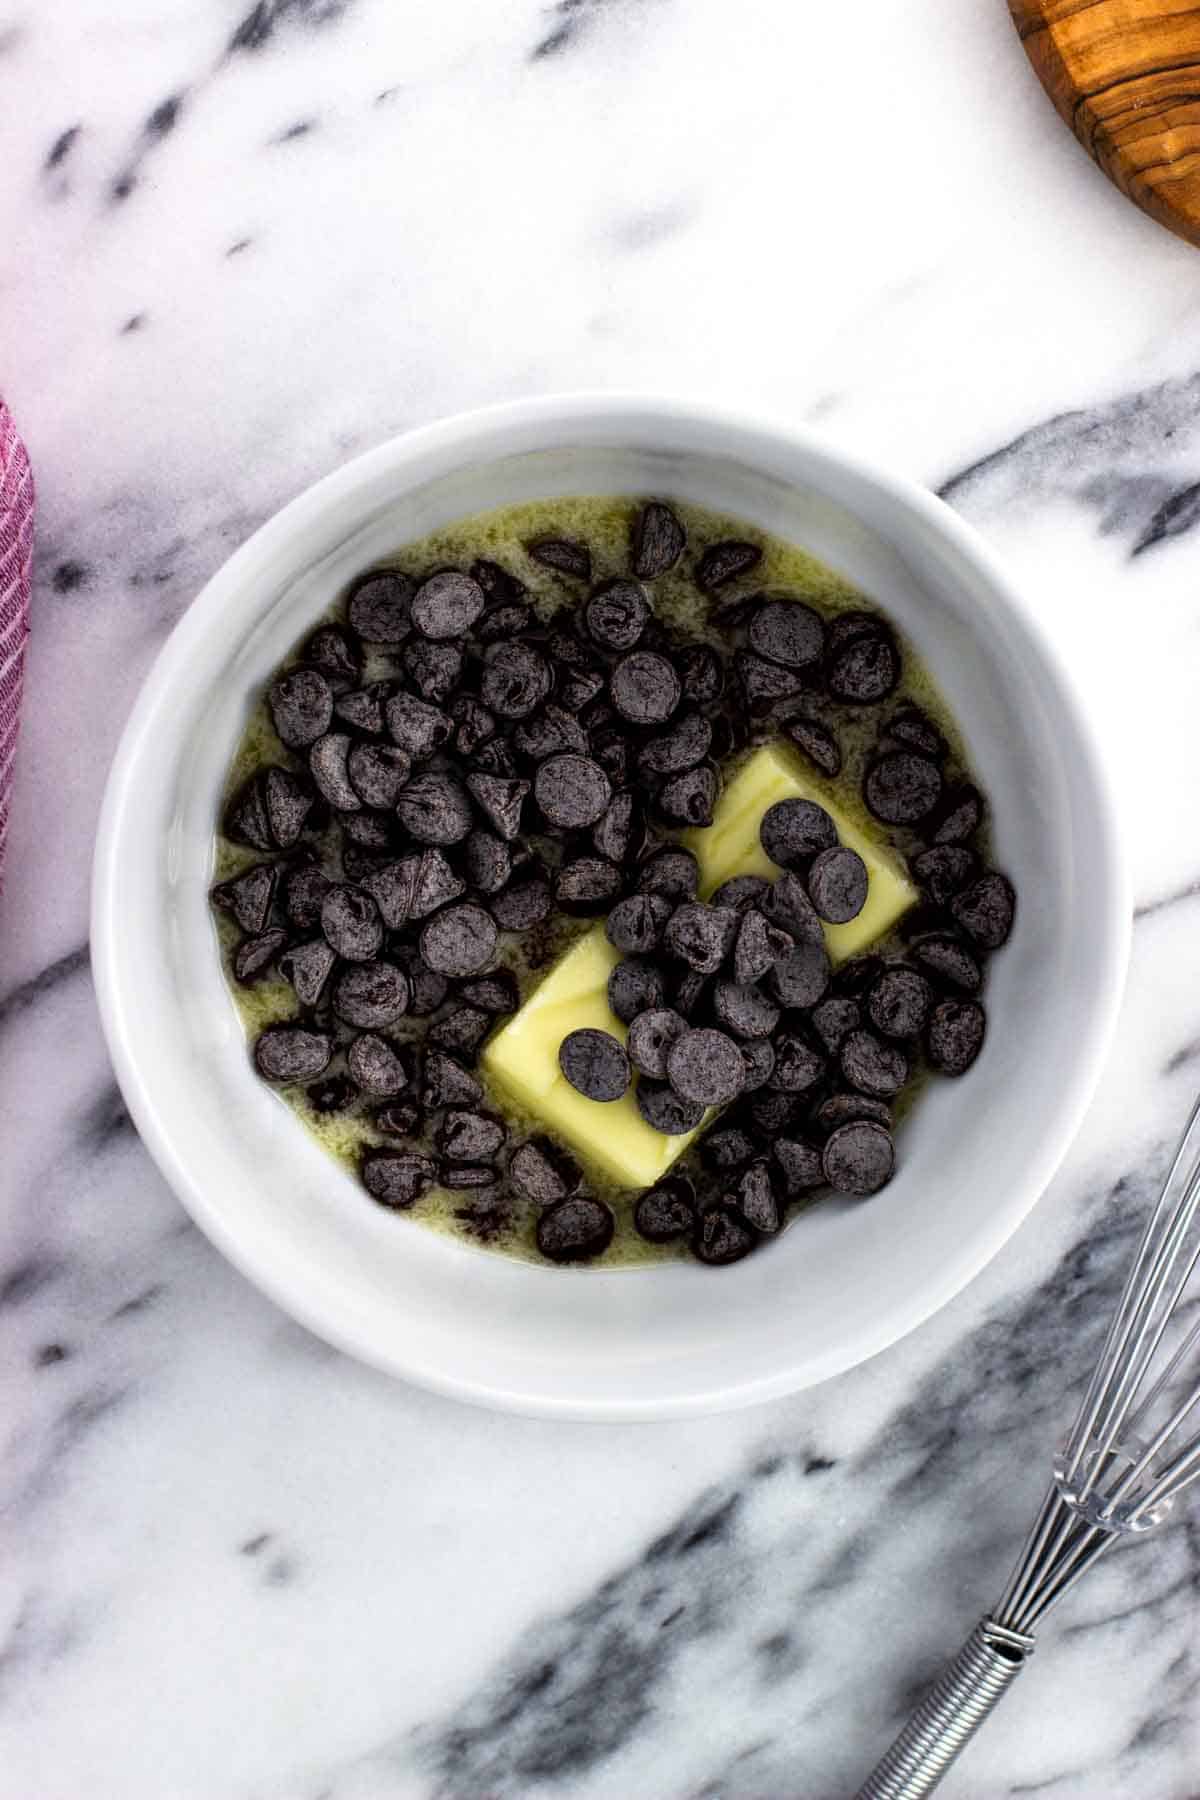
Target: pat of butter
611, 1136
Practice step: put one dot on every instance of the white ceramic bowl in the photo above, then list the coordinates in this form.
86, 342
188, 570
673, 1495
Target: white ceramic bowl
847, 1279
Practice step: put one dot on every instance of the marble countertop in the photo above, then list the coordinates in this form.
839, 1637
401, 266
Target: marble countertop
238, 246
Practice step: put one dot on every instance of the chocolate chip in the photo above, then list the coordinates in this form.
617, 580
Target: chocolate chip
435, 670
337, 1093
864, 670
400, 1118
690, 994
635, 986
834, 1018
587, 883
799, 1163
789, 907
377, 773
496, 993
620, 831
840, 1109
944, 871
461, 1030
516, 680
471, 1137
351, 923
435, 884
902, 788
856, 976
500, 801
911, 728
460, 940
800, 978
757, 947
645, 688
702, 673
787, 632
722, 1237
426, 990
634, 926
742, 891
447, 605
727, 1148
564, 556
658, 540
898, 1004
473, 724
397, 1178
706, 1066
666, 1211
595, 1063
690, 799
960, 817
487, 861
817, 742
731, 615
301, 705
328, 760
955, 1035
651, 1036
289, 801
985, 911
773, 1111
549, 732
579, 687
611, 750
682, 747
416, 726
365, 709
365, 830
377, 1066
617, 614
792, 832
875, 1068
575, 1230
765, 683
248, 896
380, 604
541, 1172
753, 1196
308, 967
393, 888
700, 935
723, 562
571, 791
837, 884
289, 1053
371, 995
859, 1158
335, 653
798, 1067
254, 955
948, 960
435, 809
446, 1083
746, 1011
499, 586
523, 904
758, 1054
666, 1111
468, 1176
672, 872
507, 620
303, 891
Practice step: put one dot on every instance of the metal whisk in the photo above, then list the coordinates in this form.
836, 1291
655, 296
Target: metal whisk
1123, 1467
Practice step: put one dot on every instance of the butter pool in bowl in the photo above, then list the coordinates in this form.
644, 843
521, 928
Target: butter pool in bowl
849, 1277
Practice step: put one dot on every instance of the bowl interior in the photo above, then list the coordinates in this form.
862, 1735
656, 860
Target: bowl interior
847, 1278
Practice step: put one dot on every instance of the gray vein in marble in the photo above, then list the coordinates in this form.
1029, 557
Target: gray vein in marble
263, 22
572, 22
13, 1004
1152, 908
1133, 460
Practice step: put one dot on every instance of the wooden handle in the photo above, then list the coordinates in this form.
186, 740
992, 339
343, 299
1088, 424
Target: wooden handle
1125, 75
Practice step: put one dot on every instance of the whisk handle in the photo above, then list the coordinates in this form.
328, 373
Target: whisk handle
950, 1714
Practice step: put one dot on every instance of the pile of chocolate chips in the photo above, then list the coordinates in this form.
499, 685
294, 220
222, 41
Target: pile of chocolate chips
496, 768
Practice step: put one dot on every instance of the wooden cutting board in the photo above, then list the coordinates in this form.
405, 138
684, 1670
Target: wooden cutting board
1125, 75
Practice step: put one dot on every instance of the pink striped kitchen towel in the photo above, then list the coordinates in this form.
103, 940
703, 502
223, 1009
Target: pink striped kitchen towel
16, 558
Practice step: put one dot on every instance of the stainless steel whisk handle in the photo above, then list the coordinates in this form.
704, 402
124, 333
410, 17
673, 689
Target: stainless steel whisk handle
950, 1714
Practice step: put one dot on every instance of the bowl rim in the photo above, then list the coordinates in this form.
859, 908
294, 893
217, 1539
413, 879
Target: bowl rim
1111, 926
